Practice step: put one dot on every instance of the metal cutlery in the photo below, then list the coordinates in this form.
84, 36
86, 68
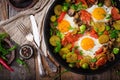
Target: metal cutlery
29, 37
37, 39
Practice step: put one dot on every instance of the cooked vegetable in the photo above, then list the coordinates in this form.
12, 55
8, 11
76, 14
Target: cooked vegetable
99, 26
53, 18
58, 47
100, 55
65, 6
68, 46
107, 28
85, 66
71, 58
93, 60
116, 25
86, 59
61, 17
101, 61
76, 24
58, 9
100, 4
113, 34
85, 16
64, 56
5, 64
71, 65
53, 40
115, 13
64, 51
103, 39
82, 28
116, 50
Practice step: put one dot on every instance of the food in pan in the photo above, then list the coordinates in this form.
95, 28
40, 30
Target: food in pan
86, 33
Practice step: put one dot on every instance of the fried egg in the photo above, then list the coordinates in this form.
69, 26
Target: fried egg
100, 14
88, 45
67, 24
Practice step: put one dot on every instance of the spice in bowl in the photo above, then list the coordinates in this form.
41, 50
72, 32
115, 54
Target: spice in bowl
26, 51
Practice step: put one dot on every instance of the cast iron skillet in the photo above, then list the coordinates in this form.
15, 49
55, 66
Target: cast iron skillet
63, 62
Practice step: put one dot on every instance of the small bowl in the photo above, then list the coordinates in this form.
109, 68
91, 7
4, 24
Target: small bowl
22, 4
26, 51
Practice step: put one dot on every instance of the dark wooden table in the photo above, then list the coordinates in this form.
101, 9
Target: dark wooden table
7, 11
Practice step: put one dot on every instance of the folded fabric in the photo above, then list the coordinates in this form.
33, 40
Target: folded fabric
39, 11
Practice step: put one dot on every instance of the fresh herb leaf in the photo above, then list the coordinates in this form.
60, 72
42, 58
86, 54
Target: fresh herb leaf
108, 16
3, 36
116, 50
55, 24
93, 60
19, 61
71, 28
81, 52
100, 4
12, 48
59, 34
4, 58
114, 33
74, 7
58, 47
113, 2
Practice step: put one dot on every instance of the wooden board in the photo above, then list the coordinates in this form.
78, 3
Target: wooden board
21, 73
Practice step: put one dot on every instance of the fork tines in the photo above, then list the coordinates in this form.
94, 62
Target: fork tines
23, 29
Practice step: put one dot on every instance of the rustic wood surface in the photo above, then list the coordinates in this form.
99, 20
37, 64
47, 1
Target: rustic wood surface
21, 73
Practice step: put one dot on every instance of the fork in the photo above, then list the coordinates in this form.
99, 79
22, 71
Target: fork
29, 37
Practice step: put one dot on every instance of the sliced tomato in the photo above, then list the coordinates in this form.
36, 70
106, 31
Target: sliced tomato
101, 61
85, 16
100, 50
93, 34
106, 32
82, 1
70, 38
79, 57
92, 1
62, 15
115, 13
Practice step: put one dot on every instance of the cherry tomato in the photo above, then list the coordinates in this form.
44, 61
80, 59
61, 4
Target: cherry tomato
85, 16
70, 38
61, 17
101, 61
100, 50
115, 13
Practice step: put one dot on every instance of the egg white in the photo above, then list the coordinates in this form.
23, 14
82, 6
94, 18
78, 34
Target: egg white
90, 52
107, 9
71, 22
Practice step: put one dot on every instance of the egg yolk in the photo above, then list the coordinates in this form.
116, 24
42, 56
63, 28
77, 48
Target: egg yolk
99, 13
87, 43
64, 26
